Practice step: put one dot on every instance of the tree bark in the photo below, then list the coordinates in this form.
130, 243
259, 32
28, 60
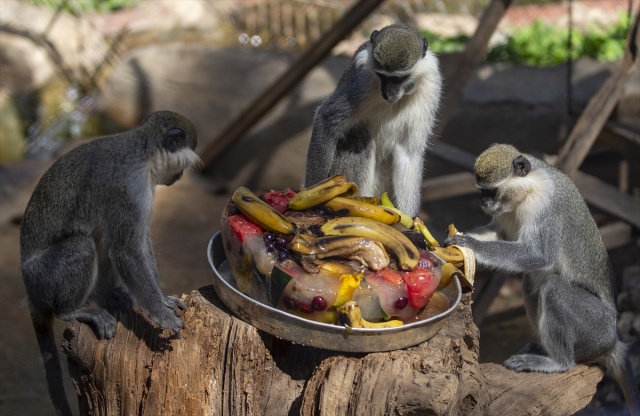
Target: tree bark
224, 366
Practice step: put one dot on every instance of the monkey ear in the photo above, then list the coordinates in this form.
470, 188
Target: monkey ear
425, 46
374, 35
174, 139
521, 166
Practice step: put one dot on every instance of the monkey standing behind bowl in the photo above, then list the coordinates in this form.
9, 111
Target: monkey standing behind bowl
86, 228
375, 127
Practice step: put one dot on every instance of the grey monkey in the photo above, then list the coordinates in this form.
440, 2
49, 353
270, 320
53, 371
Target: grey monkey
542, 227
86, 228
375, 127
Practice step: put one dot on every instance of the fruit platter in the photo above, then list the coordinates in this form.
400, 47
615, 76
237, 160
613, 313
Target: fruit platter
327, 268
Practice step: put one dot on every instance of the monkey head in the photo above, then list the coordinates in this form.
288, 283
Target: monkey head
396, 49
502, 177
172, 140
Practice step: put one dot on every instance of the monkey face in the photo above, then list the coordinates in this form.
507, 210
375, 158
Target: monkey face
489, 201
393, 88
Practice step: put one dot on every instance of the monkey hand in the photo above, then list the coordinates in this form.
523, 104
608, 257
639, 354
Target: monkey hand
462, 240
174, 303
167, 317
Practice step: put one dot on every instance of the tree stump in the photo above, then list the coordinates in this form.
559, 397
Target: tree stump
224, 366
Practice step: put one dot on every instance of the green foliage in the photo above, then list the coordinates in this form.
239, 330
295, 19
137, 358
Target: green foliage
541, 44
84, 6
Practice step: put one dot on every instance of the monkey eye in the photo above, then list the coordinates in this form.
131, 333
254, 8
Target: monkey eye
175, 139
392, 80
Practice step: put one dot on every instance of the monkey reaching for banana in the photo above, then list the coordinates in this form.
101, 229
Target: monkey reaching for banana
375, 127
542, 227
86, 228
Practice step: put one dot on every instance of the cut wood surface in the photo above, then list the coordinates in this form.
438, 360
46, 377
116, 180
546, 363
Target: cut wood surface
224, 366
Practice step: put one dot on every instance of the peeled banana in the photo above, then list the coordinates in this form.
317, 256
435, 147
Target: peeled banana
354, 208
405, 251
322, 192
350, 316
368, 252
260, 212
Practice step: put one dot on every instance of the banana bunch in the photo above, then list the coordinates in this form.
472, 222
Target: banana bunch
350, 316
359, 217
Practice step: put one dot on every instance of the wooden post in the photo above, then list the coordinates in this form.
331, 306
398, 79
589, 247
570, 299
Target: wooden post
599, 108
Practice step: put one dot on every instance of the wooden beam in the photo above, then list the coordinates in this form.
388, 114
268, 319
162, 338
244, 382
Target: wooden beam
452, 154
599, 108
621, 138
608, 198
259, 107
448, 186
616, 234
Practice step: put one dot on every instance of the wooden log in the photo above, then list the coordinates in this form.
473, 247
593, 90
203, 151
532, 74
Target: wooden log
223, 366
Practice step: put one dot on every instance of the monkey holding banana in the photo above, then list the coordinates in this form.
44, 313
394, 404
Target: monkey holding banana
375, 127
542, 227
86, 228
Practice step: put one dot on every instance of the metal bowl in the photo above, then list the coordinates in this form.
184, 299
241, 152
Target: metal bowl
316, 334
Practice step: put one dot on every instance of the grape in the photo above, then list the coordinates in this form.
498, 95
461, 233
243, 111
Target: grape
282, 255
282, 241
305, 308
402, 302
289, 303
319, 303
269, 238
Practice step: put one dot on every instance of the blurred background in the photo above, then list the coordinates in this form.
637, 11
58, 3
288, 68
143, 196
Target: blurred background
519, 72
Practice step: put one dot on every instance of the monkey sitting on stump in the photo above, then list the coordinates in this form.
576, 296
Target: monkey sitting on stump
542, 227
86, 227
375, 127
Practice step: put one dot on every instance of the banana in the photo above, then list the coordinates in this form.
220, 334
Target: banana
451, 230
405, 219
419, 225
462, 258
260, 212
448, 271
334, 267
369, 199
323, 192
405, 251
451, 254
368, 252
385, 201
353, 208
350, 316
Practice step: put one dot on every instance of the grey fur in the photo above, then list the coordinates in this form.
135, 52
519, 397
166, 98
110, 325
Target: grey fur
569, 286
86, 228
375, 127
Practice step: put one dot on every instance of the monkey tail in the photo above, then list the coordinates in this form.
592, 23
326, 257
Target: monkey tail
619, 365
43, 325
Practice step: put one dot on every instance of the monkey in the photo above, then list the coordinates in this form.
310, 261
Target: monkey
376, 126
541, 226
85, 230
